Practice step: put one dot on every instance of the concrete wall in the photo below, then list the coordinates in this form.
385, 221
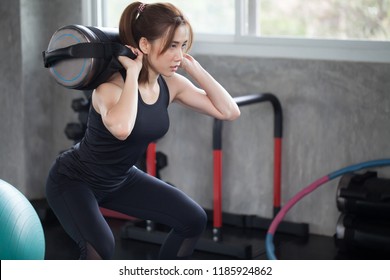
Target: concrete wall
335, 114
11, 97
47, 105
35, 109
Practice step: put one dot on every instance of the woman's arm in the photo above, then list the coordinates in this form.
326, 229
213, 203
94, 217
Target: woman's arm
117, 102
212, 99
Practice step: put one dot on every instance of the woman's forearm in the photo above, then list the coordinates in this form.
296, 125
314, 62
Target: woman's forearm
217, 94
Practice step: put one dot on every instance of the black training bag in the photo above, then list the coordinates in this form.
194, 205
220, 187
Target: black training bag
83, 57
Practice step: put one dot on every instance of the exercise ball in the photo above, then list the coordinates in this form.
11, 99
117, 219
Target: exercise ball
21, 232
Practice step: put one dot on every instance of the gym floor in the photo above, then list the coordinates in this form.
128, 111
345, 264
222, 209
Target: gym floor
288, 247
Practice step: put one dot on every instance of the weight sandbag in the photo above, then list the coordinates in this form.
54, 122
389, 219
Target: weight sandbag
82, 57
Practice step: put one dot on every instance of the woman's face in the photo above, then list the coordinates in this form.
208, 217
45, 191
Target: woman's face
168, 62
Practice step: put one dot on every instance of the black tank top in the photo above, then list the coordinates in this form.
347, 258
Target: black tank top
102, 160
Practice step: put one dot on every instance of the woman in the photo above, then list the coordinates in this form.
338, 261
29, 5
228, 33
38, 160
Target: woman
128, 112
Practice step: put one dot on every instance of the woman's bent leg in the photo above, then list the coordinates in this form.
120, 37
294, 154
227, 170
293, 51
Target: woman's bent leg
149, 198
76, 208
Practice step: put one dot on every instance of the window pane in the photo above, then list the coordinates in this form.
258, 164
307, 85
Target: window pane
336, 19
112, 10
210, 17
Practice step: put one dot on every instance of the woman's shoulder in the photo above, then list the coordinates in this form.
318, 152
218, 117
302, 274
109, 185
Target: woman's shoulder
114, 82
108, 92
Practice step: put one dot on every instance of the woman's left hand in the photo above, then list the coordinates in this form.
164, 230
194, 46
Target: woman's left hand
188, 63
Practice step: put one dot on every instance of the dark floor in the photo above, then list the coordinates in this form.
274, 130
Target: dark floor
236, 241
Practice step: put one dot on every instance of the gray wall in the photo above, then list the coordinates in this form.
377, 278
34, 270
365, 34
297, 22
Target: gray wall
335, 114
35, 109
11, 97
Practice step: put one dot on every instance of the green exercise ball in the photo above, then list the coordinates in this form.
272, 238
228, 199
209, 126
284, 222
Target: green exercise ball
21, 232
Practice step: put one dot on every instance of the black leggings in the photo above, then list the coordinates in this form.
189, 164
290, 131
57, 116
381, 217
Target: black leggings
76, 205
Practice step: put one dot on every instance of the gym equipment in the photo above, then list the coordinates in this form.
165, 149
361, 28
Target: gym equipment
21, 232
74, 131
364, 195
80, 105
257, 222
82, 57
217, 244
270, 248
250, 221
364, 203
354, 233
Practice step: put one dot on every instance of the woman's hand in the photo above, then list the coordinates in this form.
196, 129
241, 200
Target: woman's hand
188, 63
132, 64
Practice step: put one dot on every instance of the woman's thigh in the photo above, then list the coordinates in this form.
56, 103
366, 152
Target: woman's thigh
76, 208
149, 198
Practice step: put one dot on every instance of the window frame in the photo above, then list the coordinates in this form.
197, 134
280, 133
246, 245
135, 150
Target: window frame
241, 44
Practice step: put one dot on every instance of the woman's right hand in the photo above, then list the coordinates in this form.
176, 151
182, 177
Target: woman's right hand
132, 64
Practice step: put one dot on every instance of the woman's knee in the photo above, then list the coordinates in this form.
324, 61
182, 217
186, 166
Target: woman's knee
106, 250
196, 222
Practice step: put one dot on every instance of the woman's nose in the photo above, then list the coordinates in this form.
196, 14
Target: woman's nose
179, 55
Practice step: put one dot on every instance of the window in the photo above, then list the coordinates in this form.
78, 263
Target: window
326, 19
318, 29
221, 20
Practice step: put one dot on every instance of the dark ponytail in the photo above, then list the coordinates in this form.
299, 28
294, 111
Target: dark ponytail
151, 21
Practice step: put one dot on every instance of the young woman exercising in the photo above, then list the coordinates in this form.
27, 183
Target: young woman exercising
127, 113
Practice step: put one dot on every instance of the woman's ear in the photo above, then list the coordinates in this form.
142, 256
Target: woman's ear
144, 45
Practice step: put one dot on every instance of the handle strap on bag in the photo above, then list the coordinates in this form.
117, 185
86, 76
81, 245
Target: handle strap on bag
86, 50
